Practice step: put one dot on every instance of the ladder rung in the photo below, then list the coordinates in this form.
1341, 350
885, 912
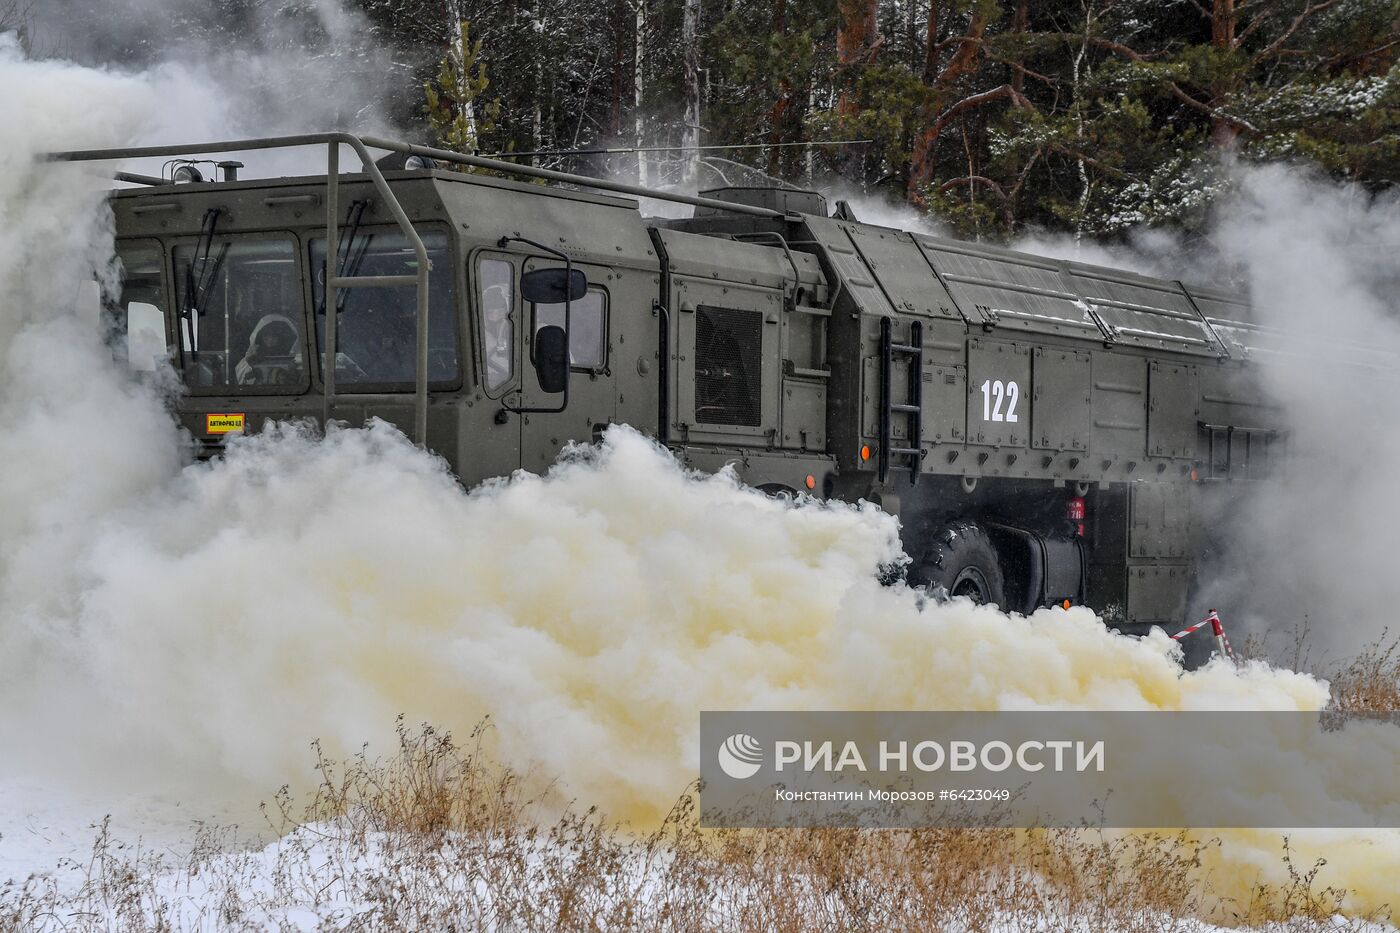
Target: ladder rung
373, 281
908, 458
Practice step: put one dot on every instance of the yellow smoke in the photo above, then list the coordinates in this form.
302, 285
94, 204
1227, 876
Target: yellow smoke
211, 619
318, 588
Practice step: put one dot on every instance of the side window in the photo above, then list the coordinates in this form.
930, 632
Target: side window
137, 310
376, 346
588, 328
240, 316
145, 336
496, 290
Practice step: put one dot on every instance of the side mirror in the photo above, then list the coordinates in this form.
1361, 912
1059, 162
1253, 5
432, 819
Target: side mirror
553, 286
552, 358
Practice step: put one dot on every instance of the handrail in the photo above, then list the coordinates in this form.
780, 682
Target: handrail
782, 242
441, 155
446, 155
333, 142
361, 146
425, 265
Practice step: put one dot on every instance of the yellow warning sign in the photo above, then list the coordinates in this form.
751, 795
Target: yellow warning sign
223, 423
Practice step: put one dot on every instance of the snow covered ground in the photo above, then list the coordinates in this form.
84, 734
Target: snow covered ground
60, 868
43, 823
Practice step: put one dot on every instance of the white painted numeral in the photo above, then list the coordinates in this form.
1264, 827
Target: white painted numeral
1008, 393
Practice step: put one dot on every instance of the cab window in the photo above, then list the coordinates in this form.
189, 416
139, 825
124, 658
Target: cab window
496, 292
588, 328
240, 316
376, 338
136, 310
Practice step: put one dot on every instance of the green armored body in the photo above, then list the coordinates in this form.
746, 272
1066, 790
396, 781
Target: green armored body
1040, 427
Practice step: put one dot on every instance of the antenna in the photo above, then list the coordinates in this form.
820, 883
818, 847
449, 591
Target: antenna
617, 150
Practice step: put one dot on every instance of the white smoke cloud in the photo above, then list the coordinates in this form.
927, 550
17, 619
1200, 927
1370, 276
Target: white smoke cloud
283, 68
1312, 547
882, 211
201, 623
274, 66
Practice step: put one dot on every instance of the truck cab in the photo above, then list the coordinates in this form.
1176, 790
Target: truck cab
227, 281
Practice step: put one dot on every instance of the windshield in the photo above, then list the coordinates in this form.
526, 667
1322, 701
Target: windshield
377, 328
240, 316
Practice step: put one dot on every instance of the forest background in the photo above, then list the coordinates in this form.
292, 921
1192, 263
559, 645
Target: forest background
997, 117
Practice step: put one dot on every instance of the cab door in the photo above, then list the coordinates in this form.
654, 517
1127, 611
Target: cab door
590, 404
138, 311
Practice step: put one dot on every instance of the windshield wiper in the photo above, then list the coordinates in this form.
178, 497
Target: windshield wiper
195, 288
344, 266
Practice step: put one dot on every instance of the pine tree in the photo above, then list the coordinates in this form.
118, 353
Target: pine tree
452, 98
1086, 116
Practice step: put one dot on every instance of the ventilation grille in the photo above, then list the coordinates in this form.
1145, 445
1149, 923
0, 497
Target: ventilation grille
728, 380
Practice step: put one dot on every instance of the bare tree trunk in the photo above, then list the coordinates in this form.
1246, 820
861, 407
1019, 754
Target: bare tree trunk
638, 96
857, 42
615, 112
1223, 18
1023, 18
856, 37
690, 45
778, 115
1085, 187
457, 37
911, 32
931, 42
811, 156
541, 91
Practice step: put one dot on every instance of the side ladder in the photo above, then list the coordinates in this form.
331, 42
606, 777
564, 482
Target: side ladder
909, 456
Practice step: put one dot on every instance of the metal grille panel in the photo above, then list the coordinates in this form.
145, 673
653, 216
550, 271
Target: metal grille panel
728, 366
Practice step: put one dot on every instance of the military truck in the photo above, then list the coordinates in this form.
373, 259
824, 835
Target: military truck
1043, 429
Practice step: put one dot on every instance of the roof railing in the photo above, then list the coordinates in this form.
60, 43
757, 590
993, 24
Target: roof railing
419, 279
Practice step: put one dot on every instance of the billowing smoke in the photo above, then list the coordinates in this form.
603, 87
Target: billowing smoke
1319, 262
1305, 554
196, 625
264, 67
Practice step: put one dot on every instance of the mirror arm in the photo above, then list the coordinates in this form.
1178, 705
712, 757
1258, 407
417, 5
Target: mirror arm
505, 241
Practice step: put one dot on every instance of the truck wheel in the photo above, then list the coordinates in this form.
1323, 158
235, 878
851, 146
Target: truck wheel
961, 562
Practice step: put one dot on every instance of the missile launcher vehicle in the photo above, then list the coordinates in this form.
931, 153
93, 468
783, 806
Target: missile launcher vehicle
1044, 430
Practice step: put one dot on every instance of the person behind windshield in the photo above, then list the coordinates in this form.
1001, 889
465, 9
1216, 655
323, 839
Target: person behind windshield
274, 353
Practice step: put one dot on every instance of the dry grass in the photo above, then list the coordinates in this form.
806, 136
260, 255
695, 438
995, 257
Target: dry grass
1369, 683
439, 837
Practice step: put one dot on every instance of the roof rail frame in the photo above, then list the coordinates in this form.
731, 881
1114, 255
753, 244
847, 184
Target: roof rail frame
361, 146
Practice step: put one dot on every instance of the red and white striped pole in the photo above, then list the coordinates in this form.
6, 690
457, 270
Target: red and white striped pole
1222, 641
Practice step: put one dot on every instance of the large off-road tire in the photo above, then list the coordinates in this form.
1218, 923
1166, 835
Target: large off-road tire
961, 561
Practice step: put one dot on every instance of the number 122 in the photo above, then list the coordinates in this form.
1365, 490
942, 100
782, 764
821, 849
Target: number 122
994, 394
